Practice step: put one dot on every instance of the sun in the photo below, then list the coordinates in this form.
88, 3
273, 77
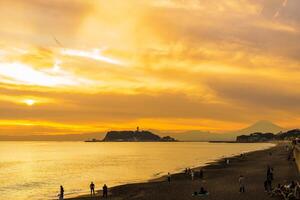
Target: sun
29, 102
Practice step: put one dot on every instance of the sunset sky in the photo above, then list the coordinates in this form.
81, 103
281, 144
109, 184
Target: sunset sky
74, 66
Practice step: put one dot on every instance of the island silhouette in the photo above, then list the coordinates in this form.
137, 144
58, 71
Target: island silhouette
133, 136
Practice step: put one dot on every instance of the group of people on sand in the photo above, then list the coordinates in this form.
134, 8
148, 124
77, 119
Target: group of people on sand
92, 189
189, 172
289, 191
200, 175
104, 190
194, 173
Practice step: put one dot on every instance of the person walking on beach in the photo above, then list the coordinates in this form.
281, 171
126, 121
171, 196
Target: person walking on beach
242, 183
61, 194
105, 191
92, 188
169, 177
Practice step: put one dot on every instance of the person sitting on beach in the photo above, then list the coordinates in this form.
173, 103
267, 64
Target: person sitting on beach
169, 177
92, 188
105, 191
203, 191
61, 194
242, 183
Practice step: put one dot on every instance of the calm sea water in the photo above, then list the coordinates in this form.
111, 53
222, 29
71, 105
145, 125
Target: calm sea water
35, 170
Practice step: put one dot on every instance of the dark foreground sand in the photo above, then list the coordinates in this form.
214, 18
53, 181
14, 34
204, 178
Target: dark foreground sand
220, 180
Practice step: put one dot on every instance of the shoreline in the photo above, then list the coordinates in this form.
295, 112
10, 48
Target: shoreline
117, 192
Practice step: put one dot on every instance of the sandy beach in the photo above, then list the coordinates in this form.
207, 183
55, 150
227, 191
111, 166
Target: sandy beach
220, 180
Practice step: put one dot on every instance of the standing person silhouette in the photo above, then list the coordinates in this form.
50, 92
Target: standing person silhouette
192, 175
92, 188
242, 183
105, 191
201, 174
169, 177
61, 194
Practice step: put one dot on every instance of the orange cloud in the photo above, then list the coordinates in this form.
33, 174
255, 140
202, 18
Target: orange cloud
163, 64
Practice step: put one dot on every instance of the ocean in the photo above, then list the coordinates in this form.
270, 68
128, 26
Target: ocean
35, 170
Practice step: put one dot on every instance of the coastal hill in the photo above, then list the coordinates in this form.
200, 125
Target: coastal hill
265, 137
135, 136
255, 137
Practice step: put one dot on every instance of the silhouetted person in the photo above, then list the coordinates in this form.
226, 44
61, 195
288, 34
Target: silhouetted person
105, 191
169, 177
270, 178
61, 194
92, 188
192, 175
242, 183
227, 161
202, 191
201, 174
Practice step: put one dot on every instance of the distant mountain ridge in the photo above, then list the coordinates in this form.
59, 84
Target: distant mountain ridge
262, 126
198, 135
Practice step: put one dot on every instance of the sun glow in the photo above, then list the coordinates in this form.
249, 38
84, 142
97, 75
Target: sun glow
29, 102
18, 72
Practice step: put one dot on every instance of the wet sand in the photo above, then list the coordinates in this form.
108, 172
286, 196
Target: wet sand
220, 180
